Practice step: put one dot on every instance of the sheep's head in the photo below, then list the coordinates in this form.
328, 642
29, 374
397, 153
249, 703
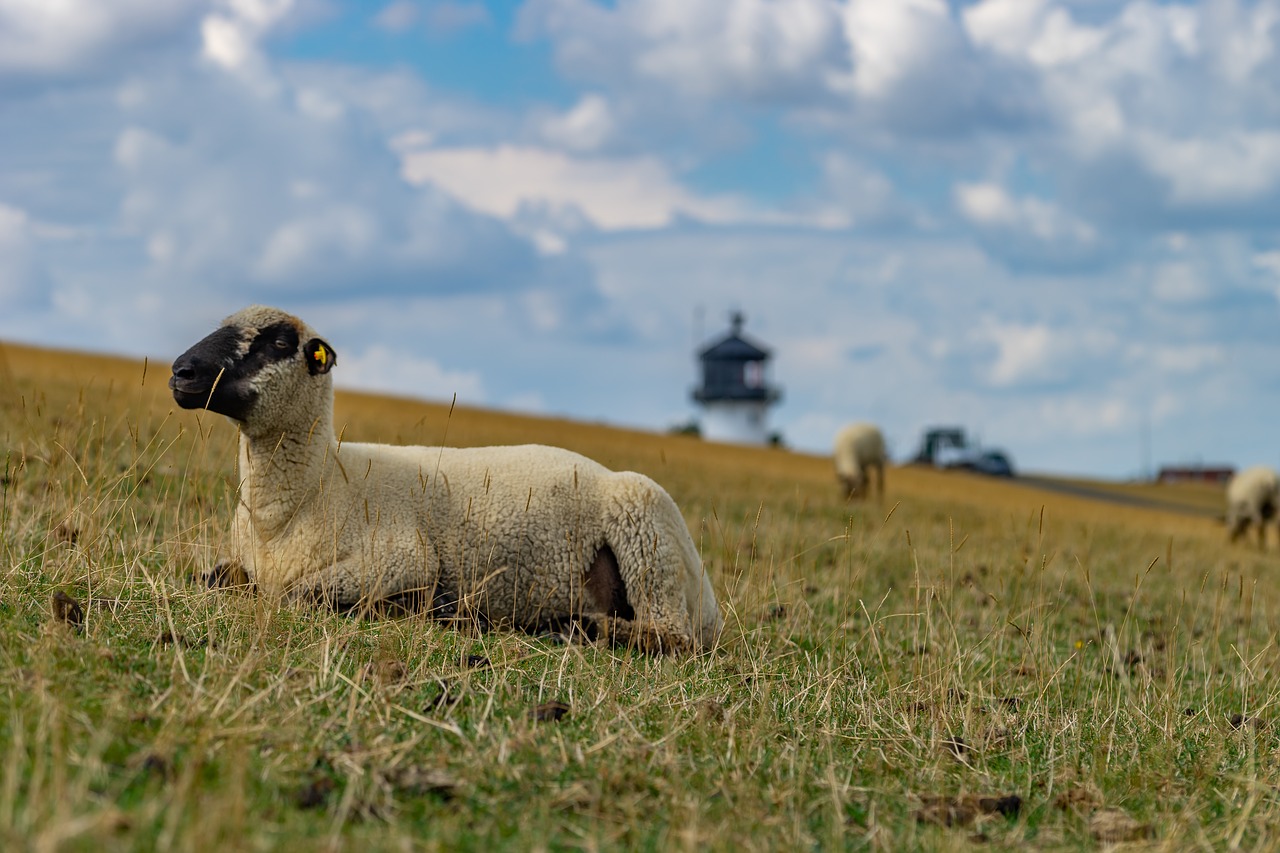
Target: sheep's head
853, 484
256, 363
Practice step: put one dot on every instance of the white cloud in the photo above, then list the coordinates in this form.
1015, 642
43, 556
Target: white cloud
136, 147
179, 195
22, 280
1093, 118
749, 45
1179, 282
380, 368
314, 102
1184, 95
1087, 414
226, 42
1033, 30
439, 18
986, 203
611, 193
1027, 232
261, 14
917, 71
1269, 262
530, 402
888, 41
1024, 353
585, 127
1005, 26
1245, 36
705, 48
1063, 40
1191, 358
445, 18
860, 194
543, 310
819, 352
289, 193
397, 17
51, 37
305, 246
1213, 169
1029, 353
989, 204
232, 38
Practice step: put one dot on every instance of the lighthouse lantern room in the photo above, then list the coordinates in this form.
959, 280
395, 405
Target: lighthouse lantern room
735, 394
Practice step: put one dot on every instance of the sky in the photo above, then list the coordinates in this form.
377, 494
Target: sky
1053, 222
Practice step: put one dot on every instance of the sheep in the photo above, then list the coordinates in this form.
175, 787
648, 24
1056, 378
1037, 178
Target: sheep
859, 451
527, 536
1252, 498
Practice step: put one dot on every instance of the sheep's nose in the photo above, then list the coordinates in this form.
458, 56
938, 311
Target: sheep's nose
192, 366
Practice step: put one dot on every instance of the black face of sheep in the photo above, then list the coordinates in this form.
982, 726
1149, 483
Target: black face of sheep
219, 372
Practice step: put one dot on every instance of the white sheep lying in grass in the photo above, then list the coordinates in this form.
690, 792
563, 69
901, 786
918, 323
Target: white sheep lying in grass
527, 536
859, 453
1252, 498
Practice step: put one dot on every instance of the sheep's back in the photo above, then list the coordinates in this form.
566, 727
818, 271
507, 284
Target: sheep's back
515, 505
1253, 485
857, 445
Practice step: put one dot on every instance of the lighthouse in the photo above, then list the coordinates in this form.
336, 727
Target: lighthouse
735, 393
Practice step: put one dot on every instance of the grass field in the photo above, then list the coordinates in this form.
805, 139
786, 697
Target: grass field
971, 663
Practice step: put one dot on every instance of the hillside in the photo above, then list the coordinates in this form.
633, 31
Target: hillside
885, 667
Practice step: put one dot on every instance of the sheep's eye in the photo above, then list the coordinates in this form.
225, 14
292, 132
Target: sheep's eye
282, 343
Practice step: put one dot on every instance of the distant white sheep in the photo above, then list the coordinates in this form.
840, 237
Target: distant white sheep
1252, 498
859, 453
527, 536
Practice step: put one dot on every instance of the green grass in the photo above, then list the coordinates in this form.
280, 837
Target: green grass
966, 637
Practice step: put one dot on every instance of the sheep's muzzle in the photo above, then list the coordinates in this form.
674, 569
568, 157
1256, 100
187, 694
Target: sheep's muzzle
206, 375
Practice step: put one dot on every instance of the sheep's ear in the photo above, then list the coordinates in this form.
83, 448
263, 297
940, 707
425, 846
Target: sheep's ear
320, 356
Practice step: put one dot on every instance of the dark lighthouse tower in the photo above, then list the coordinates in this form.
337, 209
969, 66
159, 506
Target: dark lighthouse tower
735, 394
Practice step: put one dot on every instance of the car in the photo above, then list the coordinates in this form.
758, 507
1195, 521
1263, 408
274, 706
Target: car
993, 463
990, 462
950, 448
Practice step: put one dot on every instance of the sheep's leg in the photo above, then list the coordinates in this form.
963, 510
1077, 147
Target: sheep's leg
404, 581
648, 637
853, 486
655, 591
603, 587
1237, 523
228, 572
647, 533
336, 589
610, 617
880, 481
1266, 512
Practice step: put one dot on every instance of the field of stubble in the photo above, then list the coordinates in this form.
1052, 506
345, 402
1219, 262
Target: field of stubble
970, 664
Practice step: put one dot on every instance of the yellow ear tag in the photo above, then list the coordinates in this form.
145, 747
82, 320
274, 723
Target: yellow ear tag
321, 356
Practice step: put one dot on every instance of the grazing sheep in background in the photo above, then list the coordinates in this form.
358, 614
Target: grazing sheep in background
529, 536
859, 451
1252, 497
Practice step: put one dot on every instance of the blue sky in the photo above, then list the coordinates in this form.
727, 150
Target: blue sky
1056, 222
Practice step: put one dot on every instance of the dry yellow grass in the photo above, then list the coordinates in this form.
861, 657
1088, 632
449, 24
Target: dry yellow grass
971, 661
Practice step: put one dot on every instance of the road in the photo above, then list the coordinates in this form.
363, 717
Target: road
1113, 497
